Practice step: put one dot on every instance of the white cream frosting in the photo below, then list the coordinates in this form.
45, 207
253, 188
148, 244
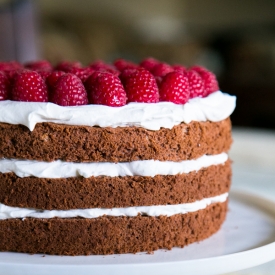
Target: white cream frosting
60, 169
152, 116
7, 212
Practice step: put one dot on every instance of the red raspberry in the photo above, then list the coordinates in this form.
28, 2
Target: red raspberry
199, 69
9, 66
4, 86
210, 82
99, 64
51, 80
178, 67
141, 86
69, 91
175, 88
196, 84
53, 77
106, 89
44, 74
67, 65
161, 69
122, 64
29, 86
82, 73
104, 67
40, 65
126, 74
149, 63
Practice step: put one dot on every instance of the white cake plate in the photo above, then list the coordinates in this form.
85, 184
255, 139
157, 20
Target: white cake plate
246, 239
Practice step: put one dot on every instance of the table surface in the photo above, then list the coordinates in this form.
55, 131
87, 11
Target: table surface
253, 155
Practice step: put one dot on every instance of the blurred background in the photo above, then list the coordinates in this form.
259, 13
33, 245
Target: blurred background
235, 39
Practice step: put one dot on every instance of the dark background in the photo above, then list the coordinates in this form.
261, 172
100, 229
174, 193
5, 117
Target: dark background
233, 38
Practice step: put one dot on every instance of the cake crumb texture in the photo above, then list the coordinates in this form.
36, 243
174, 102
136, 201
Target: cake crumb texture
110, 192
49, 142
109, 235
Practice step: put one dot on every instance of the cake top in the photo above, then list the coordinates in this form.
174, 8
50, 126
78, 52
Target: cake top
151, 94
117, 84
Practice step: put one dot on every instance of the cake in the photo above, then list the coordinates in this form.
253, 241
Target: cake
107, 159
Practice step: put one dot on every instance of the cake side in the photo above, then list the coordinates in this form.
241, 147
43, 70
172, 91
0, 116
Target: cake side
109, 235
49, 141
109, 192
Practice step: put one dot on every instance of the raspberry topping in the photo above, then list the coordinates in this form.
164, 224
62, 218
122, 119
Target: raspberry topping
29, 86
67, 65
150, 81
9, 66
175, 88
69, 91
51, 81
44, 74
40, 65
122, 64
149, 63
161, 69
178, 67
141, 86
82, 73
106, 89
104, 67
209, 79
4, 86
196, 84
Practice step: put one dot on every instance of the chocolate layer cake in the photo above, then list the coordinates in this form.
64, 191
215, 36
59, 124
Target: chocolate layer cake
97, 179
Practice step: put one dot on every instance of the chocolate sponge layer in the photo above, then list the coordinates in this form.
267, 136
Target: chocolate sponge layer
49, 141
109, 192
109, 235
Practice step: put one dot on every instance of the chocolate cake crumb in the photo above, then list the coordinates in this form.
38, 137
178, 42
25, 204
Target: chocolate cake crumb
110, 235
49, 142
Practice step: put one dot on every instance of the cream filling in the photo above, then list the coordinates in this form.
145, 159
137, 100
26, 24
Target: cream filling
152, 116
151, 168
7, 212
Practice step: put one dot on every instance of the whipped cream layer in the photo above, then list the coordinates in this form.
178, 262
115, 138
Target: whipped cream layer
152, 116
7, 212
60, 169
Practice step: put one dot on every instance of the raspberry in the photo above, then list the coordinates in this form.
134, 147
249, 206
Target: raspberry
4, 86
53, 77
40, 65
149, 63
106, 89
122, 64
196, 84
104, 67
199, 69
82, 73
209, 79
51, 81
44, 74
29, 86
161, 69
175, 88
69, 91
9, 66
99, 64
67, 65
126, 74
141, 86
179, 68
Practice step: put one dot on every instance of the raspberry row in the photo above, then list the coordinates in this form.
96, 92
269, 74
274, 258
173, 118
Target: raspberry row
71, 84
